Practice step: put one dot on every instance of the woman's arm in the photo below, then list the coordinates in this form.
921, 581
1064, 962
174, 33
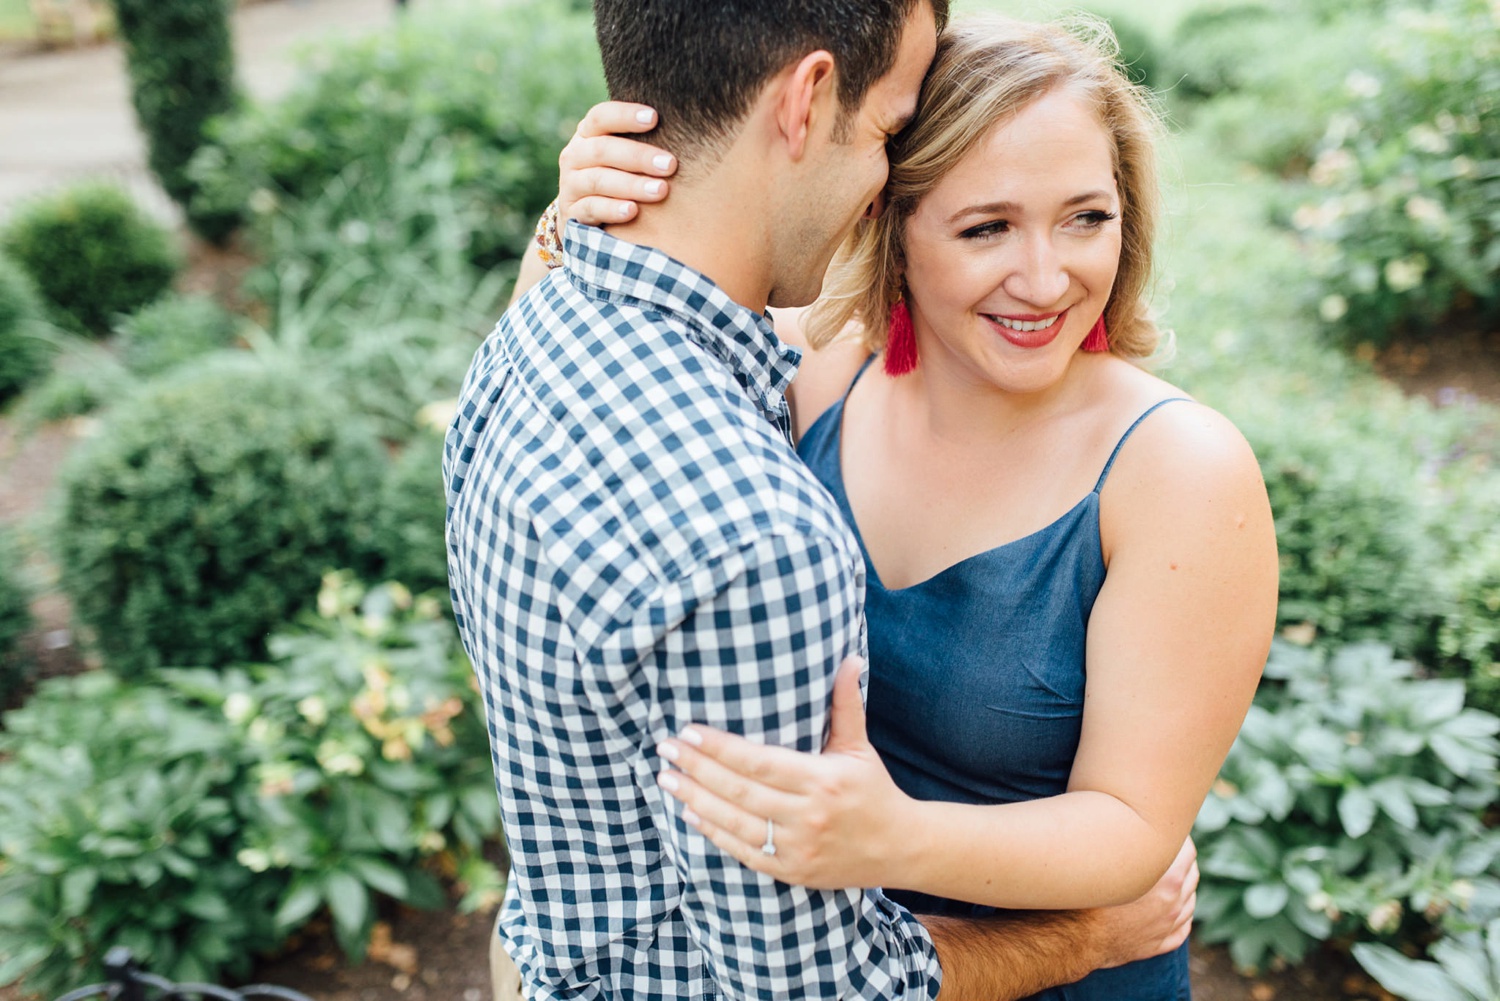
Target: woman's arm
1176, 643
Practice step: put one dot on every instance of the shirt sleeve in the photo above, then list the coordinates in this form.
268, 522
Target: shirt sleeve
751, 644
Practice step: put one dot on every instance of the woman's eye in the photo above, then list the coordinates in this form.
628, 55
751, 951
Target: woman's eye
985, 229
1094, 219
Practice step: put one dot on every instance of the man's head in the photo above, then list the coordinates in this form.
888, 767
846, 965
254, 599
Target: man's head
703, 63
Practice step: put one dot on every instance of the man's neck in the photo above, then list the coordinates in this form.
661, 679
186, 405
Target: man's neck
716, 226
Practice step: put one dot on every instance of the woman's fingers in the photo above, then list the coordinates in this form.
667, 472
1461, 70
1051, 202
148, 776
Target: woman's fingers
617, 116
703, 807
617, 153
702, 747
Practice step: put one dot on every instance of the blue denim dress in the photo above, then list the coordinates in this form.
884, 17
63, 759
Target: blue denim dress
976, 684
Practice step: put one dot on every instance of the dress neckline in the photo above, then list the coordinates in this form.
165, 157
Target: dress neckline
841, 496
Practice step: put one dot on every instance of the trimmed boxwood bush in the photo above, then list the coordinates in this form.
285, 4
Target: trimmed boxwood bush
181, 60
409, 526
92, 254
15, 617
23, 353
206, 511
173, 330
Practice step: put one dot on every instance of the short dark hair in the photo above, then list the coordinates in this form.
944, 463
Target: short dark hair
701, 63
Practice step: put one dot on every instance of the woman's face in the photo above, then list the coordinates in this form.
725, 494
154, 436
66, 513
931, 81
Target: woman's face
1011, 257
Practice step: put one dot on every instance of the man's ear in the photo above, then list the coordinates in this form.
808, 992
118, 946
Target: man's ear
809, 93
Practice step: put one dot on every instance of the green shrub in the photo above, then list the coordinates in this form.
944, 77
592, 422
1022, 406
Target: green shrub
504, 92
1405, 226
1137, 51
1467, 968
208, 816
370, 282
409, 525
1358, 560
85, 377
181, 61
92, 254
23, 350
1350, 805
15, 617
1469, 636
172, 330
1215, 49
204, 512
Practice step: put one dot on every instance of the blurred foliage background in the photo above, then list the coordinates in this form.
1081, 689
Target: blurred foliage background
1334, 187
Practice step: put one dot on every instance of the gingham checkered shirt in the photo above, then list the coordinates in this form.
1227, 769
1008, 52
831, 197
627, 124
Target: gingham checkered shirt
634, 546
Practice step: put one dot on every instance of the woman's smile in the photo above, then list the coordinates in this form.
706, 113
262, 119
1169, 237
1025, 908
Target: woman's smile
1028, 331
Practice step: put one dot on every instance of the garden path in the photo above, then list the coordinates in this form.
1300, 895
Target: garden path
66, 114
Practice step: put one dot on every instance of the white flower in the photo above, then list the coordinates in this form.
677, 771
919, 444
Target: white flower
355, 231
314, 710
1463, 167
1333, 308
1361, 84
338, 760
438, 415
254, 859
263, 201
1427, 139
1384, 918
238, 708
1405, 273
1331, 167
432, 841
1427, 211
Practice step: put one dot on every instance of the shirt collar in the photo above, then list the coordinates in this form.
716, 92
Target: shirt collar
741, 338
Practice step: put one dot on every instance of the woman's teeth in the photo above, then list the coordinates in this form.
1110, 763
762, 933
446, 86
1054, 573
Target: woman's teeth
1025, 325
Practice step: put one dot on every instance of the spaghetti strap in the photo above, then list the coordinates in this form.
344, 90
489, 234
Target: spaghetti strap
1126, 437
857, 376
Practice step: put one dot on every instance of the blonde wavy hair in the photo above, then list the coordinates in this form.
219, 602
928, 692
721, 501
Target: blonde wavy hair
987, 71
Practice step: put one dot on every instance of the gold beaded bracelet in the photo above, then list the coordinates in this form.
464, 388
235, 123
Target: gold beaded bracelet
548, 239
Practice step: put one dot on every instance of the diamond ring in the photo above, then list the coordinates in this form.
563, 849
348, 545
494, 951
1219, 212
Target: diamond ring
769, 848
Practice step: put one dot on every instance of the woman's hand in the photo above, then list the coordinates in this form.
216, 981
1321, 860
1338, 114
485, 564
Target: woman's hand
837, 815
603, 176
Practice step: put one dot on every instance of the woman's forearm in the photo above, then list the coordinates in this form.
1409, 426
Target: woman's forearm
1080, 849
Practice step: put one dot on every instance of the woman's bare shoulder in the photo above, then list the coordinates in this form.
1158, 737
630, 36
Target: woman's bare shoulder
824, 375
1186, 465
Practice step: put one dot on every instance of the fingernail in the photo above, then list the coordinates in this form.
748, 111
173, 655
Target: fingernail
668, 750
662, 162
690, 816
653, 187
692, 736
623, 211
668, 781
645, 116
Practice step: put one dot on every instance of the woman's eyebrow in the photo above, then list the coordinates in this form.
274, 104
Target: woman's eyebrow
1011, 208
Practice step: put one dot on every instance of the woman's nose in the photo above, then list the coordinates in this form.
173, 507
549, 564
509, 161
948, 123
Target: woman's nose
1039, 276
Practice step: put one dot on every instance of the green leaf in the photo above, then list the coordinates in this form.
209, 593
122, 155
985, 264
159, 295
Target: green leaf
1356, 812
1464, 960
348, 900
299, 905
1392, 798
380, 876
1408, 978
1265, 900
77, 891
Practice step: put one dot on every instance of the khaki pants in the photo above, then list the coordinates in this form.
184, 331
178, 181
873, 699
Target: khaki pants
504, 977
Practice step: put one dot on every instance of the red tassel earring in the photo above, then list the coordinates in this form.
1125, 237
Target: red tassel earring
900, 342
1098, 338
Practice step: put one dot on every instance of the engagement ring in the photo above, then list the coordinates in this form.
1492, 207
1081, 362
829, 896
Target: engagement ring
769, 848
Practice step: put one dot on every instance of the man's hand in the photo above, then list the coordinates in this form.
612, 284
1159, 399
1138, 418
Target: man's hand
1155, 924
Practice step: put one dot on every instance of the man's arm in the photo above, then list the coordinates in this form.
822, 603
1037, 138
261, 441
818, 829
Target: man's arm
1020, 953
751, 643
